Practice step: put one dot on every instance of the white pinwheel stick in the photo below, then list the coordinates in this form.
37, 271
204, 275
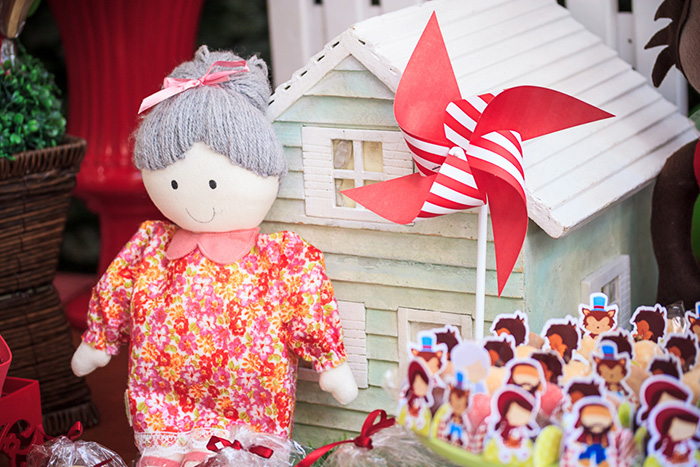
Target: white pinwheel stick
481, 272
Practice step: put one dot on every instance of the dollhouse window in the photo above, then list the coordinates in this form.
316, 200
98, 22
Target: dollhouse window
352, 319
338, 159
412, 320
614, 280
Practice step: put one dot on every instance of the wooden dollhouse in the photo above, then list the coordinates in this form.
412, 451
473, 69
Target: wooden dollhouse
589, 188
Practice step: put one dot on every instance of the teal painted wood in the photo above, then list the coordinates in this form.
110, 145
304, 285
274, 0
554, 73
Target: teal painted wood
382, 322
292, 187
294, 159
315, 437
391, 298
358, 84
289, 133
382, 348
391, 245
329, 417
377, 369
414, 275
341, 112
367, 400
554, 269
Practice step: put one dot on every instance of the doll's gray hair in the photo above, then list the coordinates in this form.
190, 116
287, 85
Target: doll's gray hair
229, 118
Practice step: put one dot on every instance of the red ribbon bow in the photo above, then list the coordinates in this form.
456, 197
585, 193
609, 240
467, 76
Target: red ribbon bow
174, 86
369, 428
216, 444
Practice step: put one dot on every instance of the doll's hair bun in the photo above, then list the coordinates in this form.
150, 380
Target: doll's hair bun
254, 84
228, 117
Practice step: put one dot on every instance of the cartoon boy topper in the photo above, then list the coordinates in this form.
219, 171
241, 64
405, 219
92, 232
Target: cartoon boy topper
595, 423
501, 349
694, 320
432, 354
622, 339
527, 374
513, 412
684, 347
452, 419
673, 428
668, 365
562, 336
417, 398
613, 368
552, 365
578, 388
649, 323
598, 317
657, 390
450, 336
514, 324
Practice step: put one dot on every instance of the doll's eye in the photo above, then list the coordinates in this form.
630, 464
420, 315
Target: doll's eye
173, 184
212, 184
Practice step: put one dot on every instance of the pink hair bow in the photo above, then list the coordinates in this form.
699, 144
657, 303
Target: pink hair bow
174, 86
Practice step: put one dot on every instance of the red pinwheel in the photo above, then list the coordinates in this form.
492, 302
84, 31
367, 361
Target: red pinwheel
468, 151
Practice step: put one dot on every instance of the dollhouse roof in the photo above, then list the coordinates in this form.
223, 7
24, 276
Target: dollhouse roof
571, 176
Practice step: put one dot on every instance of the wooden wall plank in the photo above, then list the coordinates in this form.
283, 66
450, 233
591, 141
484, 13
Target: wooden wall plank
314, 436
367, 399
383, 348
341, 112
416, 275
329, 417
382, 322
357, 84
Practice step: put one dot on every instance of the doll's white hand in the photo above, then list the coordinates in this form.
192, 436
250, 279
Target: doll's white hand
340, 382
87, 359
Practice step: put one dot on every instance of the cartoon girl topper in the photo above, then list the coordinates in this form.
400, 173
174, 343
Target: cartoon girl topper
668, 365
684, 347
673, 428
562, 336
432, 354
514, 324
527, 374
552, 365
414, 411
649, 323
453, 425
613, 368
501, 349
594, 425
512, 425
657, 390
622, 339
598, 317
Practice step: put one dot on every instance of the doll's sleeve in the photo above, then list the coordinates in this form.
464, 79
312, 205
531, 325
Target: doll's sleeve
109, 309
314, 328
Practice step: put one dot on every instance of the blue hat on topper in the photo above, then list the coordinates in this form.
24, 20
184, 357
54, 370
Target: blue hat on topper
428, 342
599, 302
609, 350
459, 381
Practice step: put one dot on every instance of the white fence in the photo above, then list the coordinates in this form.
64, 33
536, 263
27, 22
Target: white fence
300, 28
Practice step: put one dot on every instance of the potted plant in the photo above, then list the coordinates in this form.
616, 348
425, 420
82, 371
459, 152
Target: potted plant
38, 165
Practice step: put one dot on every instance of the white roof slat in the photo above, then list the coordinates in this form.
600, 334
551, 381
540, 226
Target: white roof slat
625, 147
616, 187
478, 78
623, 104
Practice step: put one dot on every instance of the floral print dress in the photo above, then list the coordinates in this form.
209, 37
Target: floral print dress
212, 346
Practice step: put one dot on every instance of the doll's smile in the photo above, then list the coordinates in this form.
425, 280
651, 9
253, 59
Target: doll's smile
213, 215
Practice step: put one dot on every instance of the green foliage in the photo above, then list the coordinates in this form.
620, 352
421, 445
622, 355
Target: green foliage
30, 109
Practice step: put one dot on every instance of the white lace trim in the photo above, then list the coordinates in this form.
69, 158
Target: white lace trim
162, 443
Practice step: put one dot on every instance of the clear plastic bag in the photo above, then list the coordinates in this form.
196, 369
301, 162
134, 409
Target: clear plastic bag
392, 447
62, 452
285, 453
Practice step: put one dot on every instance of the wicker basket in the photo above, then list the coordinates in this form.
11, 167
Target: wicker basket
35, 193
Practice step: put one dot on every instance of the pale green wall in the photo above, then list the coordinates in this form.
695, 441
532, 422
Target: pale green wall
554, 268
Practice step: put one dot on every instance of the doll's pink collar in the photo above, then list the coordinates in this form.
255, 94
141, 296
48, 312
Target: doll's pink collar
220, 247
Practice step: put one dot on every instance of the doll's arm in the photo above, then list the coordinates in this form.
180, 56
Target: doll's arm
340, 382
87, 359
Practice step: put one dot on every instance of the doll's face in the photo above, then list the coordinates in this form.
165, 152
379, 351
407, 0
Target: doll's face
681, 429
517, 415
206, 192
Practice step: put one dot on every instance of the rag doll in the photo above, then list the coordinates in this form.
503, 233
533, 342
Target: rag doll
214, 312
